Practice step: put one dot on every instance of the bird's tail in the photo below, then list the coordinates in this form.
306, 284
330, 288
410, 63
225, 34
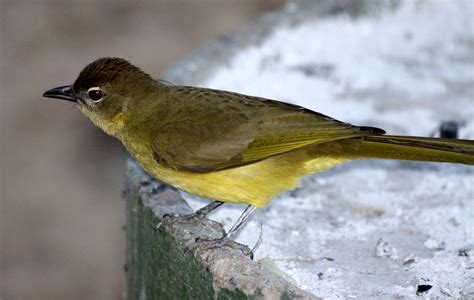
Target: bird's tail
417, 148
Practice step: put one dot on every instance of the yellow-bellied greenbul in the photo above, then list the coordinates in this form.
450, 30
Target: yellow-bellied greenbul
227, 146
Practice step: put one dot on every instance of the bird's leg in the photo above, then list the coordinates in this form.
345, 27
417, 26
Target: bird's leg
201, 213
225, 240
240, 221
204, 211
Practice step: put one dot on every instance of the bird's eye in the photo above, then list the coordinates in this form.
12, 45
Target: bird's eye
95, 94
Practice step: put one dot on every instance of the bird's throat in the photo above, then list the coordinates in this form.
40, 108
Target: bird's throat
112, 126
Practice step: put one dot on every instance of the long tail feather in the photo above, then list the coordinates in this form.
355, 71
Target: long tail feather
417, 148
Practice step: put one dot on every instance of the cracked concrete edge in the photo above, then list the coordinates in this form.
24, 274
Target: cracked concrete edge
159, 261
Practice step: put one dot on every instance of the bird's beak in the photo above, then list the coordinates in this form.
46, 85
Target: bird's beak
62, 92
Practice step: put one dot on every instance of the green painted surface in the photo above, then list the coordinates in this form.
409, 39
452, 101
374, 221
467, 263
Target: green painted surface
158, 265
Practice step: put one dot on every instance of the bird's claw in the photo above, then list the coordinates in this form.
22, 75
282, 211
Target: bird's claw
208, 244
177, 219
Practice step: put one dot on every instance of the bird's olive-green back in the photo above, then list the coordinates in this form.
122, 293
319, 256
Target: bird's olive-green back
202, 130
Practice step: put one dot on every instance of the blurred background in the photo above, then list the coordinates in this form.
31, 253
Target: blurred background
61, 179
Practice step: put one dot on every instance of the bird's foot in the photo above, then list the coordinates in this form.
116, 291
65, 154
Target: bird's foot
174, 219
204, 244
180, 219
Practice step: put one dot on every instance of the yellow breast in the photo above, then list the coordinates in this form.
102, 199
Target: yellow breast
254, 184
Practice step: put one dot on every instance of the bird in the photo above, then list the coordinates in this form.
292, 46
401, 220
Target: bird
227, 146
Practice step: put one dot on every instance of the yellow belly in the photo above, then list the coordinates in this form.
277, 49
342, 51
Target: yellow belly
254, 184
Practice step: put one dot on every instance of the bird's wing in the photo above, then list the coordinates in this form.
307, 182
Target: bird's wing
227, 130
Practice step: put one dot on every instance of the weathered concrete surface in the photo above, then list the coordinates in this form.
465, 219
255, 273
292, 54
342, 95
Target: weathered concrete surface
171, 262
368, 229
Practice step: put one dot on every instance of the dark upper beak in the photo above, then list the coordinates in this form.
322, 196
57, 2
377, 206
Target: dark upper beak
62, 92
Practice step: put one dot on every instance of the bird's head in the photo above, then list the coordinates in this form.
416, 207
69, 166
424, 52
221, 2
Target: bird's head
104, 89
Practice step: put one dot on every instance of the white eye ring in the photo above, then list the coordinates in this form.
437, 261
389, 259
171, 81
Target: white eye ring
95, 94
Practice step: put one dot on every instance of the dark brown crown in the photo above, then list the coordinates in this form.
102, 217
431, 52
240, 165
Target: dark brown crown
111, 70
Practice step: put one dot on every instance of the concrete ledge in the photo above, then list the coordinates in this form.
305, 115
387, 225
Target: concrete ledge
203, 62
170, 264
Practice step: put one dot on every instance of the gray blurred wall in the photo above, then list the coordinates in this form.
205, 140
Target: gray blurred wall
61, 178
